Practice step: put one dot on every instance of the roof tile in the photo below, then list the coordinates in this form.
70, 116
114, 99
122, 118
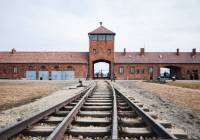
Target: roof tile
44, 57
157, 57
101, 30
82, 57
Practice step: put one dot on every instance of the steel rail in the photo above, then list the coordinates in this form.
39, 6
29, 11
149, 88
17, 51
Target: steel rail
156, 127
58, 133
114, 116
17, 127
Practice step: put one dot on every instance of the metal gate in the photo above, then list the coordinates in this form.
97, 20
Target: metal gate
43, 75
31, 75
68, 75
56, 75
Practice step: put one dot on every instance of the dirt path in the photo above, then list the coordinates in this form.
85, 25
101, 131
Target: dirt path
176, 104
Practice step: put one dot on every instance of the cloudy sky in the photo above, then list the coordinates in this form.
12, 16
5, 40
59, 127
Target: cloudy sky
62, 25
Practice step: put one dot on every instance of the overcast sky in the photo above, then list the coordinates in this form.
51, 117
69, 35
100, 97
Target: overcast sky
62, 25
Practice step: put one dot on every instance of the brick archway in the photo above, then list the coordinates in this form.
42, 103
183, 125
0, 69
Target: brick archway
109, 71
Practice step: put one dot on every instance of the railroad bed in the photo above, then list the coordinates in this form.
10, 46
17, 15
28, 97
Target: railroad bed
98, 112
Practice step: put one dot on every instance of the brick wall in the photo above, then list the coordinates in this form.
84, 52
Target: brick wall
7, 70
141, 70
104, 52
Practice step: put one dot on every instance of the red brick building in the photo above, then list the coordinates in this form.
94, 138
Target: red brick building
124, 65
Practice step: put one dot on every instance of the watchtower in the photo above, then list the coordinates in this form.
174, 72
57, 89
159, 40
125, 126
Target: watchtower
101, 49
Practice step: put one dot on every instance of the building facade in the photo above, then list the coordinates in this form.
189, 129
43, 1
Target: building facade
80, 65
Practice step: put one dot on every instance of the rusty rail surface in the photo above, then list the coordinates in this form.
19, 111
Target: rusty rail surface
114, 116
58, 133
17, 127
156, 127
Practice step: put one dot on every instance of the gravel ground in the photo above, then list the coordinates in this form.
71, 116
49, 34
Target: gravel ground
12, 115
192, 84
18, 92
181, 116
185, 97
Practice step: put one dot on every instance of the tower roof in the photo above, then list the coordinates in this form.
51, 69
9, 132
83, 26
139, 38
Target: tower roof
101, 30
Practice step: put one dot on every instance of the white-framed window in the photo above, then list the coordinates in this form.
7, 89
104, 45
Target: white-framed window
94, 51
15, 70
101, 37
93, 37
121, 69
109, 37
132, 70
150, 70
142, 71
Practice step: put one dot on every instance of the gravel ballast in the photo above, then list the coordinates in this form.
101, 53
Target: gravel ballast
182, 117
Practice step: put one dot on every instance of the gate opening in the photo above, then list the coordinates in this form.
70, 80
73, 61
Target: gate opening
165, 73
101, 70
170, 71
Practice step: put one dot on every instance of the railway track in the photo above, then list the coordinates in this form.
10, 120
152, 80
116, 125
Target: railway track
98, 112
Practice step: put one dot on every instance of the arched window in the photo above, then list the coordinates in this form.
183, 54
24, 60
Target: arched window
43, 67
56, 67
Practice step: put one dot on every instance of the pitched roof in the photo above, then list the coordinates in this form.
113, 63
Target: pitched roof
157, 57
82, 57
101, 30
44, 57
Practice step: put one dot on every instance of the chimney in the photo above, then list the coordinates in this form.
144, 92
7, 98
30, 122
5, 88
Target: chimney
141, 51
124, 51
177, 52
100, 23
193, 51
13, 51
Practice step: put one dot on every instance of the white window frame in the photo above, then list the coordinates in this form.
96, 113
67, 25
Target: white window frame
15, 69
121, 69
